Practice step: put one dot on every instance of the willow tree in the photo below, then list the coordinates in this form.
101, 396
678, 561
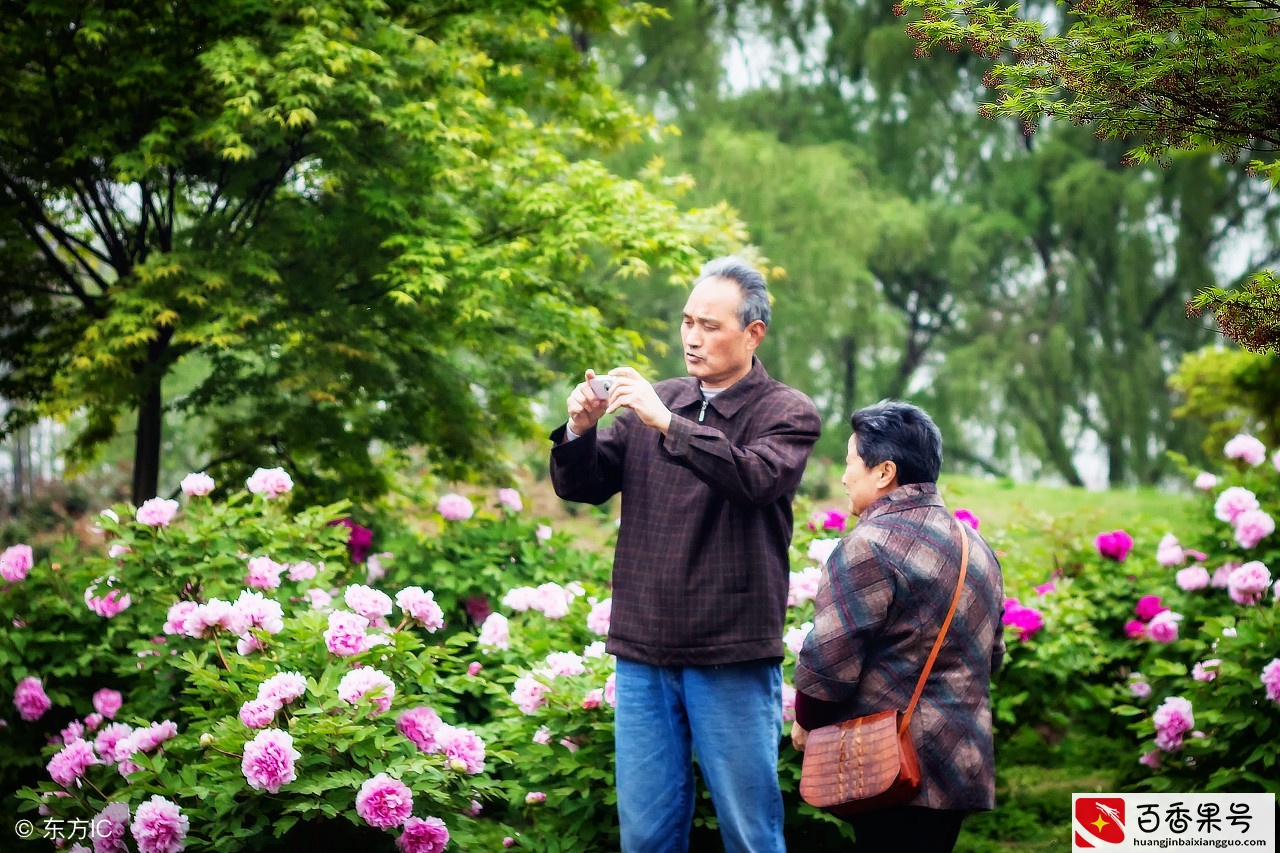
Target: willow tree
366, 223
1163, 76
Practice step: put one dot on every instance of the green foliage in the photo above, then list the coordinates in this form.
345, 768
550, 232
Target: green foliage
1163, 77
1230, 391
368, 225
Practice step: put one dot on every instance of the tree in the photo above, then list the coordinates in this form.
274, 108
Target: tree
1168, 75
364, 224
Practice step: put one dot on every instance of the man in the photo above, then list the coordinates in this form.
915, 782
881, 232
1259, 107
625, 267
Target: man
884, 595
707, 467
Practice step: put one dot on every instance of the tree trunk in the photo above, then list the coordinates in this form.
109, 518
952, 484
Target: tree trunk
146, 447
849, 348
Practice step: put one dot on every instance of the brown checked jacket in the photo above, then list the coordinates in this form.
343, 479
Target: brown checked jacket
701, 569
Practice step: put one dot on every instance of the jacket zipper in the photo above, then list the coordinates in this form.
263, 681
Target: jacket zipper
702, 414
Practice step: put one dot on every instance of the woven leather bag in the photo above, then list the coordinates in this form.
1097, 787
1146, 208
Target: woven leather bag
870, 762
860, 765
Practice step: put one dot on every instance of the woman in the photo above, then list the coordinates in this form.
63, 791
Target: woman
884, 594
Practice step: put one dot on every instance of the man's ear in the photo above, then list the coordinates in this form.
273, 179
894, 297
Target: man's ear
755, 334
888, 475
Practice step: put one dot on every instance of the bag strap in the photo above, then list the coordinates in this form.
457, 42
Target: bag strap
942, 633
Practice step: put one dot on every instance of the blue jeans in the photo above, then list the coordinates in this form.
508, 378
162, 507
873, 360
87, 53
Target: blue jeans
730, 717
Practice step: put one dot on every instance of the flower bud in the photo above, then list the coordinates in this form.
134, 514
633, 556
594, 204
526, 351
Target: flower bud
457, 765
206, 739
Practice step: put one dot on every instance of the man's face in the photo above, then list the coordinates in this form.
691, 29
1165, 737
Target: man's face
717, 350
865, 485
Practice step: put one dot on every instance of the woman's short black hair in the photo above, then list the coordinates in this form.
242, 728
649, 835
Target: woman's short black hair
901, 433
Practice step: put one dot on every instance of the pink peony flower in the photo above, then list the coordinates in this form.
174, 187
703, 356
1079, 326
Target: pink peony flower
543, 533
611, 689
1027, 620
346, 635
510, 498
370, 603
1205, 670
270, 482
359, 538
108, 828
258, 713
70, 762
1046, 588
1192, 578
157, 512
1248, 583
107, 702
793, 637
565, 663
92, 721
592, 699
420, 606
110, 604
454, 507
968, 518
788, 703
176, 620
803, 585
367, 680
303, 571
474, 668
534, 797
423, 836
254, 610
1151, 759
1246, 448
820, 550
108, 741
1252, 526
1275, 460
15, 562
1163, 627
495, 632
1206, 482
30, 699
283, 687
1222, 575
1139, 688
828, 519
384, 802
463, 749
1169, 552
542, 735
319, 599
159, 826
1232, 502
1115, 545
600, 616
1271, 680
268, 761
73, 731
1148, 606
529, 694
419, 725
1135, 629
197, 485
264, 573
1172, 719
147, 739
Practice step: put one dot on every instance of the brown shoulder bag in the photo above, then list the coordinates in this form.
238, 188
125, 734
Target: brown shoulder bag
870, 762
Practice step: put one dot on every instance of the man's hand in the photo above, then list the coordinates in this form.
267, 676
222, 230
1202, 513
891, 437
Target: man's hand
799, 737
585, 408
636, 394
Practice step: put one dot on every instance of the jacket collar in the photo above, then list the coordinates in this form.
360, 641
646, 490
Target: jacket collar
905, 497
728, 401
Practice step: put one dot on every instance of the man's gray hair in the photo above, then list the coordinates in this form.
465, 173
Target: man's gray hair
755, 293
